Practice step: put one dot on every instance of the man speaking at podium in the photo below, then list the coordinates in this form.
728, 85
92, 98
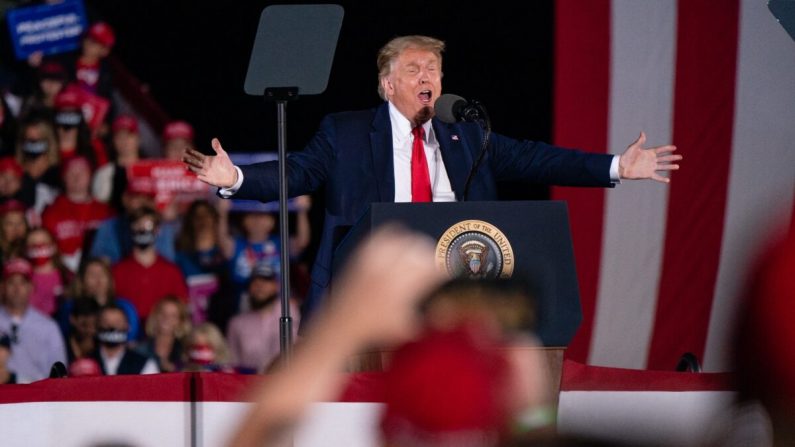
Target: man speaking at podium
400, 152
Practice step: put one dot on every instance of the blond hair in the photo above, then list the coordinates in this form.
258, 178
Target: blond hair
184, 326
390, 52
215, 339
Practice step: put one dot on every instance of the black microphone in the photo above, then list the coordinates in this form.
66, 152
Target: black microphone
453, 108
58, 370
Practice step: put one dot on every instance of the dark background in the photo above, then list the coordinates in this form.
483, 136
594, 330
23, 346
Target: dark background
194, 56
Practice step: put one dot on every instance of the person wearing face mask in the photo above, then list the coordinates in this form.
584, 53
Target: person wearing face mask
37, 149
94, 280
207, 351
113, 240
144, 277
74, 135
113, 356
37, 153
50, 276
77, 135
254, 336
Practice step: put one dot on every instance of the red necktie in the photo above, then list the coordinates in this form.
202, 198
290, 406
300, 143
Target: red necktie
420, 178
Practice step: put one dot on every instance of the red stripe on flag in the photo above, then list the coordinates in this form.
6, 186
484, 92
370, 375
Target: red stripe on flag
579, 377
582, 85
706, 67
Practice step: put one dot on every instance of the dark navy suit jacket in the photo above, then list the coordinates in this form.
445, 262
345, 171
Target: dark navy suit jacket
351, 154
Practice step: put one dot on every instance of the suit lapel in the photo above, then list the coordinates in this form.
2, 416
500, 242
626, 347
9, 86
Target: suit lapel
381, 149
455, 154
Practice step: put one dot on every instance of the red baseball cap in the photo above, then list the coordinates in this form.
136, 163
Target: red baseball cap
125, 122
102, 33
52, 70
10, 164
69, 98
178, 129
12, 205
17, 266
67, 163
84, 367
445, 382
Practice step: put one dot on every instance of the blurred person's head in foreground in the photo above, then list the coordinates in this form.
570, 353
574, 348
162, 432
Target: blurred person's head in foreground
462, 383
764, 348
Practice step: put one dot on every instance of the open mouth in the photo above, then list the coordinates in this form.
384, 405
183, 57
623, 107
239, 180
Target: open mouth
425, 96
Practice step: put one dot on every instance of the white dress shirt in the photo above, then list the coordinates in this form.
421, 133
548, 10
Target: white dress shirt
402, 147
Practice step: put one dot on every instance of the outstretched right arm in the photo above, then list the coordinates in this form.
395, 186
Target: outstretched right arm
215, 170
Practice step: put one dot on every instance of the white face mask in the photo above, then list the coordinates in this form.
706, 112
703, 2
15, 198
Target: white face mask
143, 238
112, 337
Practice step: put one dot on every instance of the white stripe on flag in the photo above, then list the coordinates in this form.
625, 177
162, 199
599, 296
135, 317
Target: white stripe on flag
762, 172
643, 43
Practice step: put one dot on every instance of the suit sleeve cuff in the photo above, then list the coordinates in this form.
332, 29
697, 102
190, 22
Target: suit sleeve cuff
229, 192
614, 177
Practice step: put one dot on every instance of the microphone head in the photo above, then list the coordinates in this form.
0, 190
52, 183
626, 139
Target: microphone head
448, 107
58, 370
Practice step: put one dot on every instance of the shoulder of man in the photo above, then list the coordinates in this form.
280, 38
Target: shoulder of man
42, 321
357, 120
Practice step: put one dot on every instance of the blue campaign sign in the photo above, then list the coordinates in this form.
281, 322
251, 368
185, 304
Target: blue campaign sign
50, 29
252, 206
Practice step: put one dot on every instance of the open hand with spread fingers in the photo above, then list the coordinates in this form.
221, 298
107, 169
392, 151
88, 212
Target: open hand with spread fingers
640, 163
215, 170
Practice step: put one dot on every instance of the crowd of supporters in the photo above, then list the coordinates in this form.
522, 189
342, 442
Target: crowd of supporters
97, 271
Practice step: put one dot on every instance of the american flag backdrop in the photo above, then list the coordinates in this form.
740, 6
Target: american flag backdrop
661, 267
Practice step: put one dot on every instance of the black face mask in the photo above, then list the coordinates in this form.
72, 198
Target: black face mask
143, 238
112, 337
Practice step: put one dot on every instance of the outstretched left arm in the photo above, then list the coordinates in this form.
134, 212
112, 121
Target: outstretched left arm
639, 163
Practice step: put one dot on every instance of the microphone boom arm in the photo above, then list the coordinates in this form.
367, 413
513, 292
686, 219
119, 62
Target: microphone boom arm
476, 112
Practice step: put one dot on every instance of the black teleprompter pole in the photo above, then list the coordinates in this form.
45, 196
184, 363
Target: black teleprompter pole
293, 51
281, 95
